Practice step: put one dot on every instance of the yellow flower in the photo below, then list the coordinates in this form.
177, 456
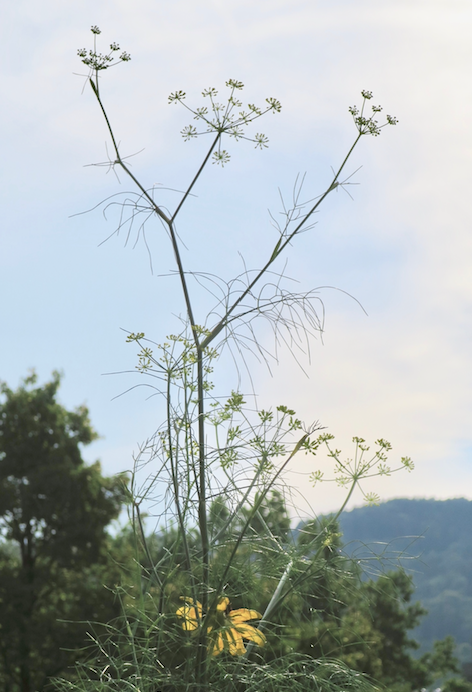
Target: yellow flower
227, 628
189, 614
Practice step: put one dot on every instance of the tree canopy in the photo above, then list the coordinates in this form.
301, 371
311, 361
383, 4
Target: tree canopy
54, 510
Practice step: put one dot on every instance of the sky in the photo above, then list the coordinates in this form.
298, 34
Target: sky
399, 244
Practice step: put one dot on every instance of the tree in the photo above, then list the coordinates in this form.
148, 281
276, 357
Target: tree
334, 612
272, 517
393, 616
366, 624
54, 510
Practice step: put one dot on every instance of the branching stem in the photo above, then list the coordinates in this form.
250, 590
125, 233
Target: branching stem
280, 247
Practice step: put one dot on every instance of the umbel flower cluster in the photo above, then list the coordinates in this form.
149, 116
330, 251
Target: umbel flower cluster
99, 61
369, 126
227, 628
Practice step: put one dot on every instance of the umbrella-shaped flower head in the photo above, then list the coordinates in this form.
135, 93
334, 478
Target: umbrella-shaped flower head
227, 628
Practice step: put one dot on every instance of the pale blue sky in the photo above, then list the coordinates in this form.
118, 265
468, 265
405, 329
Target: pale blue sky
403, 247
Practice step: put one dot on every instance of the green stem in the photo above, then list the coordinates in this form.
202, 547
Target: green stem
276, 603
272, 603
175, 484
145, 545
241, 504
197, 175
165, 219
224, 320
256, 508
202, 667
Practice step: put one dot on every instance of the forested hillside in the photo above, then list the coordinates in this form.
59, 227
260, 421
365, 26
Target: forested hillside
433, 541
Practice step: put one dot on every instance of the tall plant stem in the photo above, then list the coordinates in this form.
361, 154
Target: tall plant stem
202, 500
155, 207
196, 177
202, 667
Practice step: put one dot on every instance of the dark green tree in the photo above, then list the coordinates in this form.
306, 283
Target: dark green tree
457, 684
366, 624
54, 510
272, 519
393, 617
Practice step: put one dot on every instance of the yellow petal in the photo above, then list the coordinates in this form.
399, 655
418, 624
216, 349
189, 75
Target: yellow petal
223, 603
190, 619
235, 643
243, 614
218, 646
184, 611
189, 602
188, 613
251, 633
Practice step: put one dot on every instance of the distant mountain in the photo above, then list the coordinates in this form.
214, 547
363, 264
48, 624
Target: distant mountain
433, 541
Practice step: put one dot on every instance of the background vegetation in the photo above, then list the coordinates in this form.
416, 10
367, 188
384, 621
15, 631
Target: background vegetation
62, 573
433, 542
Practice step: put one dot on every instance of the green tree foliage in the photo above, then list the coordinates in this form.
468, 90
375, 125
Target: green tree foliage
457, 685
393, 617
54, 510
366, 624
272, 515
332, 612
442, 578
